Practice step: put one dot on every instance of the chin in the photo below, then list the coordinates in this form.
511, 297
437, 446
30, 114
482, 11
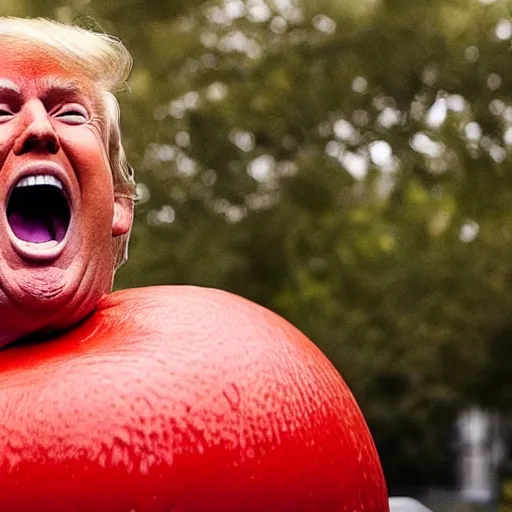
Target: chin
52, 289
44, 302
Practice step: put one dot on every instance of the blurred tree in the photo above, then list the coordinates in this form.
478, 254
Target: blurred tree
347, 165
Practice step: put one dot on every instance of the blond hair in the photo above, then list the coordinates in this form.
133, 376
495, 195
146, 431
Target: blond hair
105, 61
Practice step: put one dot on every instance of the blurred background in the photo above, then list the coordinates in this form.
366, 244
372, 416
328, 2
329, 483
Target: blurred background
348, 164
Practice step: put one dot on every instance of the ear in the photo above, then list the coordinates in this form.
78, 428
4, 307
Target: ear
123, 216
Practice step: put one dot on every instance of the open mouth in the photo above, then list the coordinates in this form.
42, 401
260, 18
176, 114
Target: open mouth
38, 210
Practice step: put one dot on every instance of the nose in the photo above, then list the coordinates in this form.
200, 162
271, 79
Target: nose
38, 134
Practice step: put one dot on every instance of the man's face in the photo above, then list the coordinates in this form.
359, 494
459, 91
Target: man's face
57, 208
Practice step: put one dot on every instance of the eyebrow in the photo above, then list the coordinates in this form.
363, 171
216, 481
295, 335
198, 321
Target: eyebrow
54, 87
8, 86
51, 85
59, 85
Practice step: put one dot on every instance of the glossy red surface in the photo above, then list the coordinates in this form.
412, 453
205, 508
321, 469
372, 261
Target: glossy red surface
181, 399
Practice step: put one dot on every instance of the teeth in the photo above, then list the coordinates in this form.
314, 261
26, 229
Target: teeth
41, 179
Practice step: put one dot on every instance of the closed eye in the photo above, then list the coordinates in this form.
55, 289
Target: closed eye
5, 114
72, 114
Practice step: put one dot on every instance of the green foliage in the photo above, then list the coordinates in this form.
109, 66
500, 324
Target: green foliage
346, 164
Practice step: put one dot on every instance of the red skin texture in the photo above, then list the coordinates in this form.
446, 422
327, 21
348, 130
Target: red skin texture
181, 399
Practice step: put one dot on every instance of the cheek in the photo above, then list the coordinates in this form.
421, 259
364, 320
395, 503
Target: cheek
6, 141
87, 155
88, 158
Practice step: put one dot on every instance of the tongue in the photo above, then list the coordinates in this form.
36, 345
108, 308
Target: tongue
37, 230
